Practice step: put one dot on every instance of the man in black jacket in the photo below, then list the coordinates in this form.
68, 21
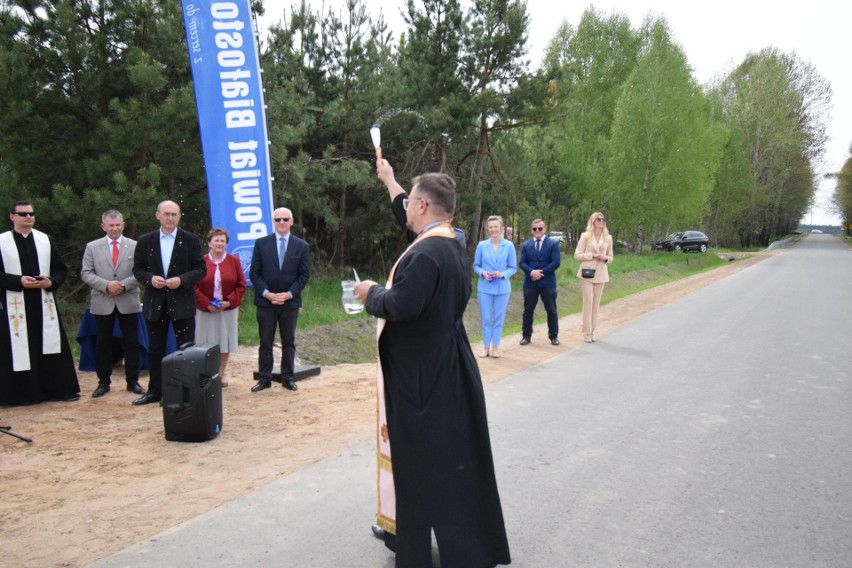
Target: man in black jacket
280, 269
167, 263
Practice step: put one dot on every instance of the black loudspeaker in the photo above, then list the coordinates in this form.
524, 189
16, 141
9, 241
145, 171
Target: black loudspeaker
192, 394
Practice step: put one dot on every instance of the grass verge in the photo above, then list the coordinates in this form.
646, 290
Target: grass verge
328, 336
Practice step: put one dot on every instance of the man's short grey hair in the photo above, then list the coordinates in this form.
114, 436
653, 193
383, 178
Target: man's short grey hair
111, 214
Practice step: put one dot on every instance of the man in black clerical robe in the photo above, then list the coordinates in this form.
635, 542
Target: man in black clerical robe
443, 470
35, 359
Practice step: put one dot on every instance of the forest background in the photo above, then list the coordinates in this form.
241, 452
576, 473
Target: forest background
97, 111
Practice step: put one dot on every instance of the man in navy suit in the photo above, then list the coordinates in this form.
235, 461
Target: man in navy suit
167, 263
280, 269
540, 257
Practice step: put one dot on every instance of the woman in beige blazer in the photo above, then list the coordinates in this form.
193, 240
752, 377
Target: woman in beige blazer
595, 251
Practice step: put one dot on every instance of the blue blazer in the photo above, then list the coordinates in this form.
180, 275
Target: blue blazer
548, 259
486, 260
291, 277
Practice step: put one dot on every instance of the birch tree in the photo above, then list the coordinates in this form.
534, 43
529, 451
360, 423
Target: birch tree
664, 148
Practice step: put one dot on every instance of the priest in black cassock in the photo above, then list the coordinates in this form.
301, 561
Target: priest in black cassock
35, 359
436, 470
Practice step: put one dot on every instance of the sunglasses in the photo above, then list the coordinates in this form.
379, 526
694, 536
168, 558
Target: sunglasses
601, 219
537, 229
282, 219
25, 213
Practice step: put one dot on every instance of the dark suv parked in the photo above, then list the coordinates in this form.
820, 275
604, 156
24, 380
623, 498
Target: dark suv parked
665, 244
689, 240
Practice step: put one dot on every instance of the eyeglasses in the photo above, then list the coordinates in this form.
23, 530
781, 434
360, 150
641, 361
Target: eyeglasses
25, 213
537, 229
282, 219
408, 200
601, 219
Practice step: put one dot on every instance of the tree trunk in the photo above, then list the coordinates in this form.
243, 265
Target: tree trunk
478, 168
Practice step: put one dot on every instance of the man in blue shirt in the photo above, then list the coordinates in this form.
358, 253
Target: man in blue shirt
280, 269
167, 263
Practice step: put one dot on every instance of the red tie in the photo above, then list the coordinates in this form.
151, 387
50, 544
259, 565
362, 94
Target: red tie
114, 253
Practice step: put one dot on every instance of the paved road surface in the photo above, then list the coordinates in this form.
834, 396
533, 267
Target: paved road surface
714, 432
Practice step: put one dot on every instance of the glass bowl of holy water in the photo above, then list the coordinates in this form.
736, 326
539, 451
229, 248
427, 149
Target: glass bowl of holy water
350, 304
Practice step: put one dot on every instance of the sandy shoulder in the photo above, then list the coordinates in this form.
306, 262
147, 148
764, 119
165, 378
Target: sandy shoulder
99, 475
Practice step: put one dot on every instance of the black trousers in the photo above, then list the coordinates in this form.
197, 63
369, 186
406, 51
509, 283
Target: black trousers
157, 335
268, 321
129, 340
548, 298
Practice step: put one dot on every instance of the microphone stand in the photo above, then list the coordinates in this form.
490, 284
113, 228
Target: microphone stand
8, 430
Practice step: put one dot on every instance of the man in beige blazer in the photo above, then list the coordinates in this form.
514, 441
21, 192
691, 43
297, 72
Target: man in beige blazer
108, 271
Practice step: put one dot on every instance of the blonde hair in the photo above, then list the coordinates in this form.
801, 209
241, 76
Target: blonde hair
497, 218
590, 226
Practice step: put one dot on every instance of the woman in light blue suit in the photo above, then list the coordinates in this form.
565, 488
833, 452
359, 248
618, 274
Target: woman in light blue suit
495, 262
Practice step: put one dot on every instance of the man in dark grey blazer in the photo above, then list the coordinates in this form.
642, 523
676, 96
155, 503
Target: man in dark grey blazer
168, 262
280, 269
108, 270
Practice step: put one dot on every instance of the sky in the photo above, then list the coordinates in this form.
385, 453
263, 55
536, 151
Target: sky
715, 38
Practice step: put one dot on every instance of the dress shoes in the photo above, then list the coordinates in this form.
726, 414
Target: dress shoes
388, 538
260, 385
525, 341
135, 388
554, 341
290, 385
100, 391
147, 398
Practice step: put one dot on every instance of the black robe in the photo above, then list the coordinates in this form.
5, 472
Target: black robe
51, 377
437, 424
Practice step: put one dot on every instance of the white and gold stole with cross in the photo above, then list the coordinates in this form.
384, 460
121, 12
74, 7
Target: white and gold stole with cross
15, 308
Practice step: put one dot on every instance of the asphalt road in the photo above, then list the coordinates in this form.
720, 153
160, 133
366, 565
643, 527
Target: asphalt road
714, 432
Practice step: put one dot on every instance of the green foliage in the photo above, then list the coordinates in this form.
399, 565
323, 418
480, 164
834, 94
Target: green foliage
773, 106
843, 195
664, 150
588, 66
316, 68
97, 111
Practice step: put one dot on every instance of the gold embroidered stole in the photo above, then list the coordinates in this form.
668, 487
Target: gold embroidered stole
386, 515
15, 308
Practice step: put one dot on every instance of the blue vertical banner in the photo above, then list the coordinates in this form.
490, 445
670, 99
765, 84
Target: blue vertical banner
225, 64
